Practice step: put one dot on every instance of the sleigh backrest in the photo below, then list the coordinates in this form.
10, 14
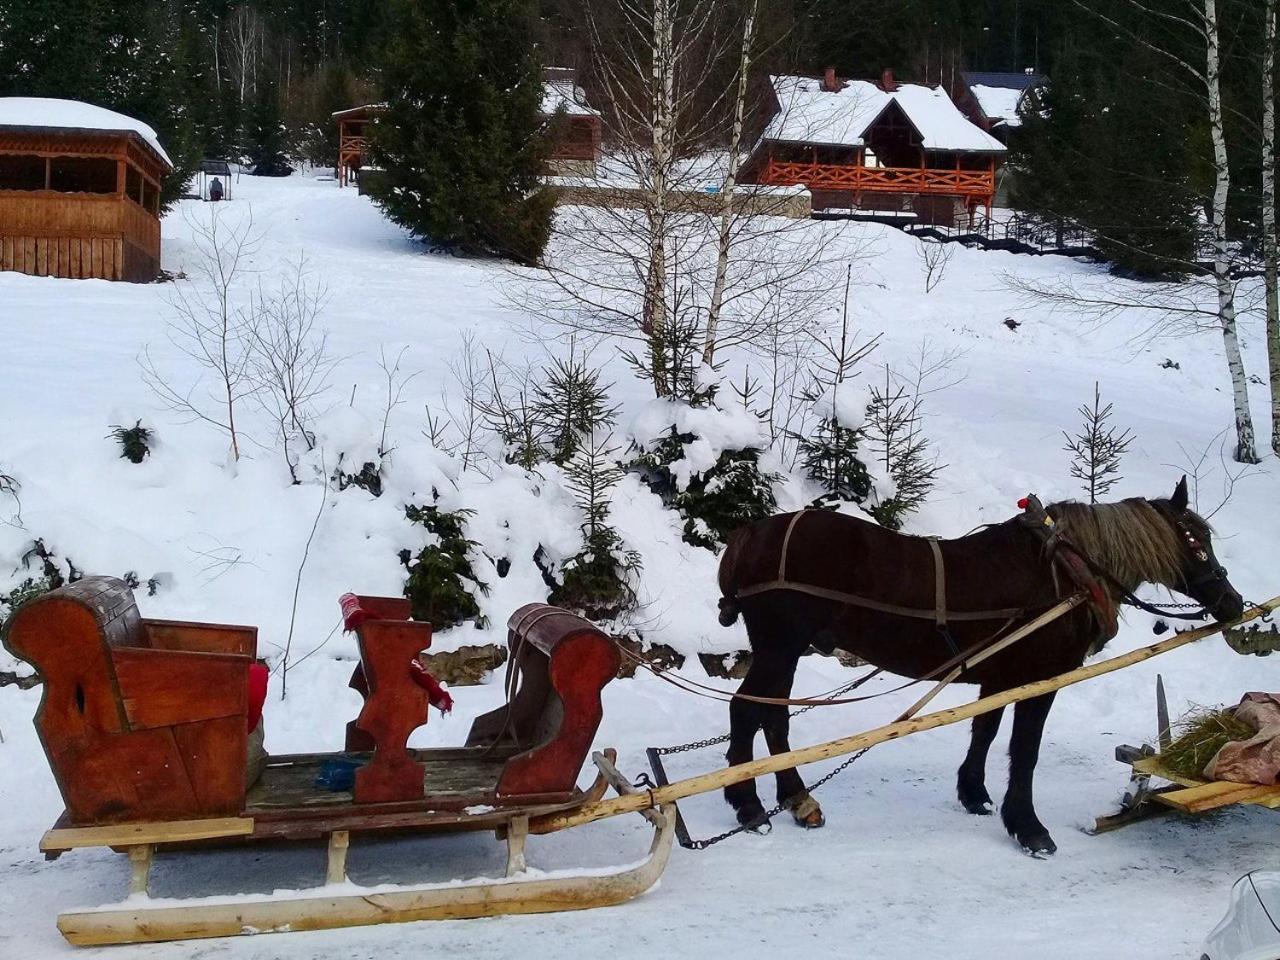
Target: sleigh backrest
140, 719
559, 664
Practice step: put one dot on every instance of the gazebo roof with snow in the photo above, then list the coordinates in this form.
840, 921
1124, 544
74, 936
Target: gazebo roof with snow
80, 190
810, 113
48, 115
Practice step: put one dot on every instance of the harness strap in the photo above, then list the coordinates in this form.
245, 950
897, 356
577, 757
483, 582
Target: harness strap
939, 584
854, 600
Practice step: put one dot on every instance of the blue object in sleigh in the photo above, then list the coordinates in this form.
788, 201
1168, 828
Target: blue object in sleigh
338, 774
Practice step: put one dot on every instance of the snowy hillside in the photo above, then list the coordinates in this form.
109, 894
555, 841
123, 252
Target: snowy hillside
899, 871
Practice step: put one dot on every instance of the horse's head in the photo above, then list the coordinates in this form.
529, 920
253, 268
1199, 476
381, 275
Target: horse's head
1200, 575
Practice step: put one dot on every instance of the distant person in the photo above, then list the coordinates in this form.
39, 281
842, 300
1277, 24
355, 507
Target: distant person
215, 189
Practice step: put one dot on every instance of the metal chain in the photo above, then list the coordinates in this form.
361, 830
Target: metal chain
724, 738
769, 814
778, 808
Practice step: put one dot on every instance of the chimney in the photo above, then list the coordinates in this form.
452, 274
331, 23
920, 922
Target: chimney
887, 83
830, 83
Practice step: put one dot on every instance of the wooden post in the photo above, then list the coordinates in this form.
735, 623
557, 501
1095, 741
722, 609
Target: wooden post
737, 773
517, 833
140, 857
339, 840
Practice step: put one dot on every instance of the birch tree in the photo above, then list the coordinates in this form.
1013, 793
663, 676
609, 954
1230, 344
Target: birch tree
729, 188
1168, 24
672, 272
1269, 241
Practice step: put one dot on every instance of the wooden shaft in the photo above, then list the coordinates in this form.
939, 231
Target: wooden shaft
707, 782
1065, 607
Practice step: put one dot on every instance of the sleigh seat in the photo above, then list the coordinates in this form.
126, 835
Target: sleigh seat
140, 719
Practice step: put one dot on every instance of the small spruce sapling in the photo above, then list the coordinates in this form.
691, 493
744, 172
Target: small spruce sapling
596, 580
1096, 451
894, 439
731, 493
135, 441
572, 403
441, 579
828, 451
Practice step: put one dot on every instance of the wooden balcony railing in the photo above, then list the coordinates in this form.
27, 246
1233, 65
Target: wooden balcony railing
829, 176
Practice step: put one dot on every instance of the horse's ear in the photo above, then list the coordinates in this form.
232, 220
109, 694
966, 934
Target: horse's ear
1179, 498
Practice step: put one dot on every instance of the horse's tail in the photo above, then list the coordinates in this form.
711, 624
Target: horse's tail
729, 609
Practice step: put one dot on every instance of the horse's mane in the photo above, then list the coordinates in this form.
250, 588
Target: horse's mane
1131, 539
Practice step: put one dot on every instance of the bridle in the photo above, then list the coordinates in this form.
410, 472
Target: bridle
1211, 572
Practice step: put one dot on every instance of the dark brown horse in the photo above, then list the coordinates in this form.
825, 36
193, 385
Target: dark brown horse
1001, 566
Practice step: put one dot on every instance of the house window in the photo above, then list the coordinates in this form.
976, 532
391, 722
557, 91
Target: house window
82, 174
133, 184
20, 172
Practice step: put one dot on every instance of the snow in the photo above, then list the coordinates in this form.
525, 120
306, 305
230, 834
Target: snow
999, 103
809, 114
53, 114
563, 93
226, 543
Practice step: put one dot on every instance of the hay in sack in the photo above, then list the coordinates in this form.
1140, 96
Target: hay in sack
1198, 736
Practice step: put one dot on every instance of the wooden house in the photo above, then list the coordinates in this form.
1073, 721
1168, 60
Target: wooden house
997, 102
575, 145
899, 149
79, 191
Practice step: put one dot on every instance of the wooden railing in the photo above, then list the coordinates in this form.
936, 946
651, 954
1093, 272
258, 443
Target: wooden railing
830, 176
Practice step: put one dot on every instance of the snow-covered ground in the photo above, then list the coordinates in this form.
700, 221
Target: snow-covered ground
900, 870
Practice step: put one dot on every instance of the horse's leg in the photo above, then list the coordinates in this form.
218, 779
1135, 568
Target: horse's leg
744, 720
971, 780
1018, 811
792, 793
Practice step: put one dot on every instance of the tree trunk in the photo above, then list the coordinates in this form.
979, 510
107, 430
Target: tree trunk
727, 190
1269, 244
1245, 451
654, 322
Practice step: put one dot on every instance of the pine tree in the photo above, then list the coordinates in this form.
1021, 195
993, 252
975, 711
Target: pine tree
441, 584
1097, 449
894, 438
828, 452
572, 403
596, 580
461, 144
266, 147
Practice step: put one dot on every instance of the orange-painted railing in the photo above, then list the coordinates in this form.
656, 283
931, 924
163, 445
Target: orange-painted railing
831, 176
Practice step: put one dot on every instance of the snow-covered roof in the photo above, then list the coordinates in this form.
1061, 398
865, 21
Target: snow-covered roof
44, 113
368, 108
999, 103
809, 114
564, 93
1022, 80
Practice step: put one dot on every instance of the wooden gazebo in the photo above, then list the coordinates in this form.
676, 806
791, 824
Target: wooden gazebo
79, 191
888, 147
353, 139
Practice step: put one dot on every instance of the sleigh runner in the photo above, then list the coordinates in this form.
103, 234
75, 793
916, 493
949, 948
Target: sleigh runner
147, 727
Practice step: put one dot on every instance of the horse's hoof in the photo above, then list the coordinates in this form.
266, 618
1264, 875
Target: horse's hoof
1039, 845
807, 813
760, 825
978, 808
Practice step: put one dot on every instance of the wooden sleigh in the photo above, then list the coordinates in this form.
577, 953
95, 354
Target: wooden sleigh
145, 725
1179, 793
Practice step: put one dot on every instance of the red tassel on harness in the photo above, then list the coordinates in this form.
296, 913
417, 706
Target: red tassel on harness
436, 694
352, 613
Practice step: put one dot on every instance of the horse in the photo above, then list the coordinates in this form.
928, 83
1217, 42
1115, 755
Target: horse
805, 568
